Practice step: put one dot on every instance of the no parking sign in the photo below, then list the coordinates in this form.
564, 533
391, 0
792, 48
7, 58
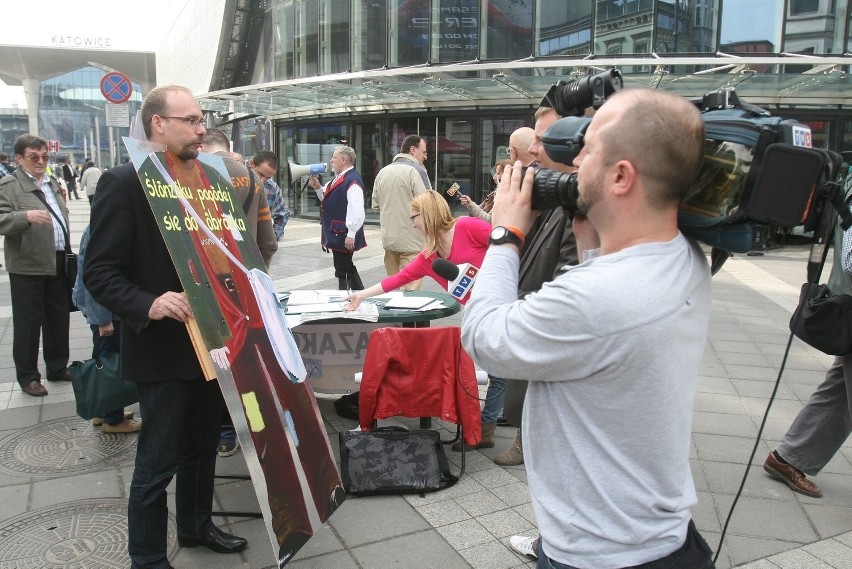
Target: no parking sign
116, 87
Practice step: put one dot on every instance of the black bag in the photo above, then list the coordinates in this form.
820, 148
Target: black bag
347, 406
823, 320
393, 460
98, 387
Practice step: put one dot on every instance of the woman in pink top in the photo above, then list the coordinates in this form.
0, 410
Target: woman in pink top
462, 240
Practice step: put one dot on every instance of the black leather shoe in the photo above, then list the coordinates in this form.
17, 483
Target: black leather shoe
216, 540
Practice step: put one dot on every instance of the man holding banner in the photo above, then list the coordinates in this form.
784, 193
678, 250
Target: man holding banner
130, 271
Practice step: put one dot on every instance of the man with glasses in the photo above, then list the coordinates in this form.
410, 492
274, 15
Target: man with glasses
34, 219
130, 272
264, 164
395, 186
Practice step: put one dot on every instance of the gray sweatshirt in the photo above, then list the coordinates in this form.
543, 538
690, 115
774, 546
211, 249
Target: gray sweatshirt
612, 349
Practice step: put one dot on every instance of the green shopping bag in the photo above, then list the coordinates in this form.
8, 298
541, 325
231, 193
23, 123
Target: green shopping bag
98, 387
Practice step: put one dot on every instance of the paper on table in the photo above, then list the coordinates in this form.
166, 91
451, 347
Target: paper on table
315, 296
409, 302
317, 307
365, 311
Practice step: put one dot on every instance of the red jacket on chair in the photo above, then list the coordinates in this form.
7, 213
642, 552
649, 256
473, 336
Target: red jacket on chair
420, 372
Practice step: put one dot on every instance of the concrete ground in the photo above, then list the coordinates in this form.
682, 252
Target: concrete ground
64, 484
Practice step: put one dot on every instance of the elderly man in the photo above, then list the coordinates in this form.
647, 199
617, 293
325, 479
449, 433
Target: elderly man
34, 219
129, 271
395, 186
342, 216
611, 347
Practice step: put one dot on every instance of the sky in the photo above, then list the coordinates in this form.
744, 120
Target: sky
137, 29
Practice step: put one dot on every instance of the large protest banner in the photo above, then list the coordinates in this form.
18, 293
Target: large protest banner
241, 337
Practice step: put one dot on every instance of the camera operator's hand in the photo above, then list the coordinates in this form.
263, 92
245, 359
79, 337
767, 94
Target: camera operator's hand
513, 202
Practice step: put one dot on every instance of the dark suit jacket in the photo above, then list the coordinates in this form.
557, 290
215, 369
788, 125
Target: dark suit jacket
550, 248
127, 267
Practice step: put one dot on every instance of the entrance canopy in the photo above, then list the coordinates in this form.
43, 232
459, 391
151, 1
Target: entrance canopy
788, 81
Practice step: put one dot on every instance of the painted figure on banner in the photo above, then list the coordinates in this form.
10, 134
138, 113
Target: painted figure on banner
252, 350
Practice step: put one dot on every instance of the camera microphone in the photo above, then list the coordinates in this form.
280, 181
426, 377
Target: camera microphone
460, 278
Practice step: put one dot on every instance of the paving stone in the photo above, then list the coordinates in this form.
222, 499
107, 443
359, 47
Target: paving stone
468, 533
481, 503
492, 555
443, 513
832, 552
798, 559
375, 518
407, 551
505, 523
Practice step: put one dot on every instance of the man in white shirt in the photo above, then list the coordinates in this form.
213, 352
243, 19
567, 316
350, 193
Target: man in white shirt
342, 216
34, 220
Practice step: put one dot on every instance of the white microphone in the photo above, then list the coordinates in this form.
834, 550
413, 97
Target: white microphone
460, 278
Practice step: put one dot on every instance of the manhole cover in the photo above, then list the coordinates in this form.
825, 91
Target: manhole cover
64, 446
90, 534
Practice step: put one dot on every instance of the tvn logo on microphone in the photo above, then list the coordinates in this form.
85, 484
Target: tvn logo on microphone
465, 282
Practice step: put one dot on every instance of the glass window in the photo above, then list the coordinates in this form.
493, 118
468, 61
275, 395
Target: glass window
409, 32
563, 28
452, 153
284, 40
750, 26
369, 34
455, 30
306, 38
334, 34
803, 7
309, 144
507, 29
494, 134
618, 22
673, 26
368, 148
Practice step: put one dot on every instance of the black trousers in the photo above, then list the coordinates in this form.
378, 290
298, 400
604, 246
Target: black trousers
345, 271
40, 307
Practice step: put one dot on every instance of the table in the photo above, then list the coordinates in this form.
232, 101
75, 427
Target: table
333, 350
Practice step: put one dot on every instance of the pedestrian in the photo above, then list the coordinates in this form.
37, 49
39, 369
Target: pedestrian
342, 216
34, 220
395, 186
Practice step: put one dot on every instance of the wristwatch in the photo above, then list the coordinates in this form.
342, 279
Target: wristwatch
501, 234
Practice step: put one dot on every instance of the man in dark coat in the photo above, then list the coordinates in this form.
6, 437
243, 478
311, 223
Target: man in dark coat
129, 271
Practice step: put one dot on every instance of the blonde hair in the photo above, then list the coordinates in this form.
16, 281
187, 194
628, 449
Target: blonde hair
435, 217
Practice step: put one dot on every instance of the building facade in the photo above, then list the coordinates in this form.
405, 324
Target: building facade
302, 76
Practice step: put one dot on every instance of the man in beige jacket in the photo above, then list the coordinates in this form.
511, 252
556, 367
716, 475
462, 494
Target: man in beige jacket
395, 186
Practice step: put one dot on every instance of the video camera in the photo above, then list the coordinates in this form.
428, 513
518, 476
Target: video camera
759, 170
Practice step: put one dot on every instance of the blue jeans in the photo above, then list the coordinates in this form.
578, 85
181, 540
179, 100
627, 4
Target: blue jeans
494, 398
107, 346
693, 554
180, 433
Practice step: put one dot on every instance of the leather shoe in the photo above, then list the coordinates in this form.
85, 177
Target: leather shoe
63, 375
35, 388
216, 540
790, 475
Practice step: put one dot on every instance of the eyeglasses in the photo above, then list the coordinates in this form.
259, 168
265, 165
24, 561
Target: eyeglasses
413, 217
36, 158
191, 121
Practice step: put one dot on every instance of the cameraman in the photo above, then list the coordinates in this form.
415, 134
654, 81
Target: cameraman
611, 347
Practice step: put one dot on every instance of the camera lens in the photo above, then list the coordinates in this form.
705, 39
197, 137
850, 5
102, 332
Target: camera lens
572, 98
554, 189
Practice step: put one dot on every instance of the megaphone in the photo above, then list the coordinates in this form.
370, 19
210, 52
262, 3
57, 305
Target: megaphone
300, 170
